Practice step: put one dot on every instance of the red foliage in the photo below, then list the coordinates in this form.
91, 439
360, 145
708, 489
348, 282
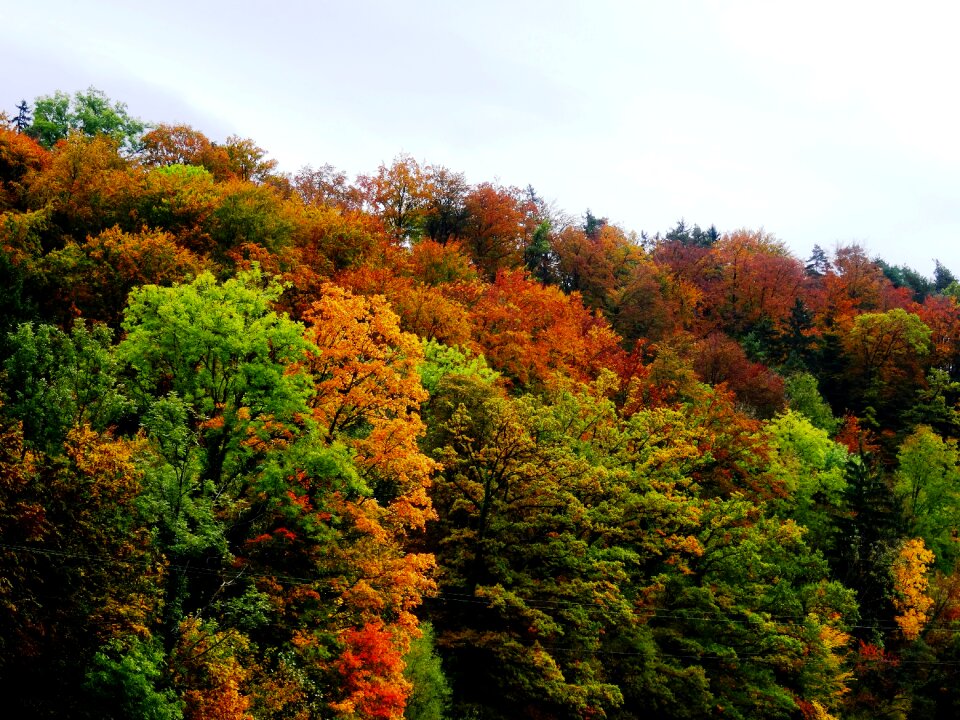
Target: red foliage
372, 668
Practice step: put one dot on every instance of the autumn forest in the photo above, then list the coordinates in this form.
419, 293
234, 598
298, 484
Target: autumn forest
405, 446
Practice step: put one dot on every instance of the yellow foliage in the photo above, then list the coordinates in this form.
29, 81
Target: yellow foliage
910, 585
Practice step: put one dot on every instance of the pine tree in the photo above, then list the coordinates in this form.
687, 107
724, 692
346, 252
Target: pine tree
23, 119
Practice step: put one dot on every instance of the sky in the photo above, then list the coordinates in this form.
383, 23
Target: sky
817, 122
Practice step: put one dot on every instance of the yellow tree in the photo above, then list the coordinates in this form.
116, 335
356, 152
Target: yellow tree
909, 572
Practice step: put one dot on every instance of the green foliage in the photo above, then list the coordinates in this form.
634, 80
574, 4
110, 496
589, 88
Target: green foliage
693, 237
91, 113
222, 349
907, 277
214, 371
928, 486
935, 403
611, 585
248, 214
54, 381
539, 257
804, 397
125, 681
943, 278
180, 199
812, 469
440, 360
430, 698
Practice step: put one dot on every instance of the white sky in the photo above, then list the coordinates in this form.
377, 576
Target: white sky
820, 122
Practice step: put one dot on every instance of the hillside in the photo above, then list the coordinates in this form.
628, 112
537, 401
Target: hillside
297, 446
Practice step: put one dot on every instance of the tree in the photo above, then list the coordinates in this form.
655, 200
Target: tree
247, 160
368, 390
398, 195
756, 280
77, 564
512, 540
813, 470
23, 119
910, 586
719, 359
887, 358
95, 278
495, 228
430, 697
167, 145
20, 156
942, 277
818, 264
214, 371
91, 113
54, 381
538, 256
928, 487
530, 331
692, 237
87, 187
803, 396
181, 200
445, 212
903, 276
326, 186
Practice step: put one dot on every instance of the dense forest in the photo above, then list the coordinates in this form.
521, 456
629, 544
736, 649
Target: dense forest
404, 446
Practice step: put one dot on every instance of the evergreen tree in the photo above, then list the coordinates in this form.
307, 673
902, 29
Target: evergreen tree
942, 277
23, 119
818, 263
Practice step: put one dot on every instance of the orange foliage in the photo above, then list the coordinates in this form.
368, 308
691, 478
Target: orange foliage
397, 195
529, 331
435, 264
719, 359
366, 375
910, 587
941, 313
425, 310
326, 186
495, 228
95, 277
733, 451
19, 155
757, 279
857, 286
210, 675
856, 439
88, 186
182, 145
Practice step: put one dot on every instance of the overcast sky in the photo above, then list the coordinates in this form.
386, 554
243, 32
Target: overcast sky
820, 122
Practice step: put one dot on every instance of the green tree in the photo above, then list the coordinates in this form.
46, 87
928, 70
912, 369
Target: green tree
125, 680
928, 487
430, 698
804, 397
214, 371
942, 277
91, 113
54, 381
539, 257
812, 470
